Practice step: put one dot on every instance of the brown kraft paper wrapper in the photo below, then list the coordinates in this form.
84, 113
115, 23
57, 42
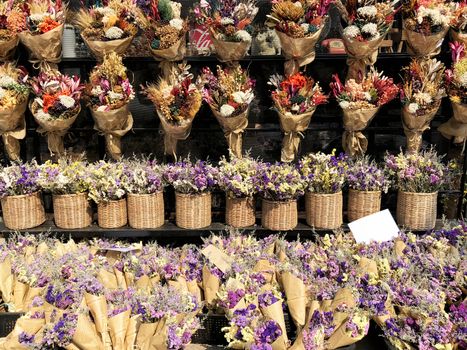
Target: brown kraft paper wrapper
298, 52
179, 284
341, 338
108, 279
55, 129
129, 278
155, 280
159, 340
42, 248
298, 343
361, 55
51, 312
174, 53
228, 51
415, 125
30, 295
19, 294
100, 48
195, 290
114, 124
266, 269
132, 331
211, 286
6, 280
117, 328
121, 283
355, 121
366, 265
27, 325
97, 305
8, 48
233, 128
295, 292
343, 296
390, 312
144, 336
86, 336
45, 47
293, 127
456, 127
276, 313
13, 128
174, 133
143, 282
420, 45
459, 37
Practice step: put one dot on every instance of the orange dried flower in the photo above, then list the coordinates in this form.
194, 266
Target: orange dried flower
48, 25
48, 101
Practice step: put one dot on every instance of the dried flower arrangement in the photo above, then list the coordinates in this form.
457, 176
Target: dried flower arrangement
12, 20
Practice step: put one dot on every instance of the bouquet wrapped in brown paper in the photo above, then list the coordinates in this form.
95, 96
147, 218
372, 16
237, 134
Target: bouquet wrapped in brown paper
230, 26
421, 97
360, 101
456, 127
177, 100
229, 94
295, 99
56, 106
13, 104
109, 92
298, 25
425, 26
367, 25
13, 22
43, 36
109, 28
459, 23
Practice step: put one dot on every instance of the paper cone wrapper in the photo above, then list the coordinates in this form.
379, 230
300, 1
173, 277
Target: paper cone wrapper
121, 282
174, 53
55, 129
8, 48
143, 282
295, 292
145, 334
381, 320
132, 331
298, 52
399, 247
23, 324
456, 127
6, 280
195, 290
44, 47
228, 51
280, 343
343, 296
71, 346
97, 305
59, 249
51, 312
42, 248
276, 313
366, 265
113, 124
211, 286
355, 121
174, 133
341, 338
266, 269
233, 128
420, 45
159, 340
459, 37
129, 279
361, 55
86, 336
155, 280
31, 294
112, 257
19, 294
293, 127
100, 48
415, 125
117, 328
13, 128
179, 284
108, 279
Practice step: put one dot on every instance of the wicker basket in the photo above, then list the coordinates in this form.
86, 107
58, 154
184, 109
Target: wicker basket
193, 210
112, 214
279, 216
416, 211
146, 210
324, 211
72, 211
363, 203
23, 212
240, 212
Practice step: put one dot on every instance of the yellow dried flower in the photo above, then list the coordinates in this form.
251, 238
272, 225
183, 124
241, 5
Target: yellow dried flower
288, 10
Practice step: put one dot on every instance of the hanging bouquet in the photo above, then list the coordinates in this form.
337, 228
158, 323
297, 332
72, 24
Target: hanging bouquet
177, 100
106, 181
166, 31
459, 23
109, 28
238, 177
456, 86
229, 23
295, 99
367, 25
12, 22
360, 101
299, 25
56, 106
280, 182
229, 94
14, 92
191, 178
44, 31
421, 96
365, 175
109, 93
426, 23
67, 176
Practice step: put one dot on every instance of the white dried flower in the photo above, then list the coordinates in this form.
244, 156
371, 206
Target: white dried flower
297, 4
344, 104
177, 23
226, 21
367, 11
351, 32
37, 17
117, 96
6, 80
306, 27
243, 35
413, 108
434, 14
97, 90
367, 96
105, 11
113, 33
370, 28
243, 97
176, 9
2, 93
423, 98
67, 101
463, 79
226, 110
40, 114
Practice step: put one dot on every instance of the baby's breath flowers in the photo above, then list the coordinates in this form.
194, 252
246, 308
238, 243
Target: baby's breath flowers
238, 177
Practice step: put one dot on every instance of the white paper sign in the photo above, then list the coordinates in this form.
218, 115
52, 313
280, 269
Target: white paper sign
133, 247
378, 227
